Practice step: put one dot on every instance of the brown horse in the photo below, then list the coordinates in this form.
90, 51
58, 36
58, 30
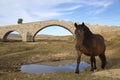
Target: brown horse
89, 44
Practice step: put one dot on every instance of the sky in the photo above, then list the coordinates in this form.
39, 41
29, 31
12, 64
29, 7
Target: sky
104, 12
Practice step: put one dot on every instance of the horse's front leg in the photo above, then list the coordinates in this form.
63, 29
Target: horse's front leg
93, 62
78, 62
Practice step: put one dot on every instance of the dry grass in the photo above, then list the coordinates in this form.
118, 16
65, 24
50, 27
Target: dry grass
14, 54
112, 73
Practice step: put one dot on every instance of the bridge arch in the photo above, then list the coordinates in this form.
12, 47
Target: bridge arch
46, 26
5, 35
29, 30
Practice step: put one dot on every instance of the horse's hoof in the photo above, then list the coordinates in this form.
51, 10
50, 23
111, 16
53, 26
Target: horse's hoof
92, 70
77, 72
95, 70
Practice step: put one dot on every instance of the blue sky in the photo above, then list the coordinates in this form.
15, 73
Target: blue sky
105, 12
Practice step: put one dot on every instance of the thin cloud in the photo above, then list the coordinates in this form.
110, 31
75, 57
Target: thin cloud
72, 8
96, 3
96, 11
34, 10
30, 11
98, 7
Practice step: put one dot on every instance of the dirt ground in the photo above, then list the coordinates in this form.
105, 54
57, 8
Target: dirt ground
113, 73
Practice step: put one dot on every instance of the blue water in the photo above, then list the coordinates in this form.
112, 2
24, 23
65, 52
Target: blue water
37, 69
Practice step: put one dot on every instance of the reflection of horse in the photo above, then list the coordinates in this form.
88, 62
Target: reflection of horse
90, 44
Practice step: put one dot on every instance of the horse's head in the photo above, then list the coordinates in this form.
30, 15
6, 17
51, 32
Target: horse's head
82, 33
79, 31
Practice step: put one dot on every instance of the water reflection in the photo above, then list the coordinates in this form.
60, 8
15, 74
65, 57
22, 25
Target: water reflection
36, 68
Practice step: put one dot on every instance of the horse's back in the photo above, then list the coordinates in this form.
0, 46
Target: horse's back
98, 38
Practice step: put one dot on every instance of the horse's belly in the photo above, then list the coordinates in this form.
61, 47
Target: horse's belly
86, 52
89, 52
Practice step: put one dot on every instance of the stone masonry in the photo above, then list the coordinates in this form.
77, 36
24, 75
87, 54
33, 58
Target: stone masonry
29, 30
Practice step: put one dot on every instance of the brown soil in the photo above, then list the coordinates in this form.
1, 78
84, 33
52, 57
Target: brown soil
113, 73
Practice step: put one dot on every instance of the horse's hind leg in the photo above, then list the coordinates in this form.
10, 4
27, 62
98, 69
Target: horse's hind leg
94, 62
103, 60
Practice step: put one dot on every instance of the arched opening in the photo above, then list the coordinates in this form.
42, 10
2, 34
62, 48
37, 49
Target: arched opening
53, 33
12, 36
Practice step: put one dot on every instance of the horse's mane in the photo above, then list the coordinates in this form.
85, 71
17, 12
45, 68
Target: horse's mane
87, 36
87, 32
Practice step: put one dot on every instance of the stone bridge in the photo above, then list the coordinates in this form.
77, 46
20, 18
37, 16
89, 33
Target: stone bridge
28, 31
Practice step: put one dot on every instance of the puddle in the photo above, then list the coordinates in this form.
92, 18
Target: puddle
37, 68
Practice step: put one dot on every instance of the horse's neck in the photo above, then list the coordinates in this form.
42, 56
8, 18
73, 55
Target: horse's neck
79, 41
87, 41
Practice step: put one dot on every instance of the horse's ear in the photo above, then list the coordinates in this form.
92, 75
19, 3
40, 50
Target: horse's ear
83, 23
75, 24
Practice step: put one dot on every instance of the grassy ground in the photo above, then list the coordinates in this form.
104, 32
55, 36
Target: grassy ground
15, 54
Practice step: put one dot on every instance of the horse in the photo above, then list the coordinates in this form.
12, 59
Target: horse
89, 44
